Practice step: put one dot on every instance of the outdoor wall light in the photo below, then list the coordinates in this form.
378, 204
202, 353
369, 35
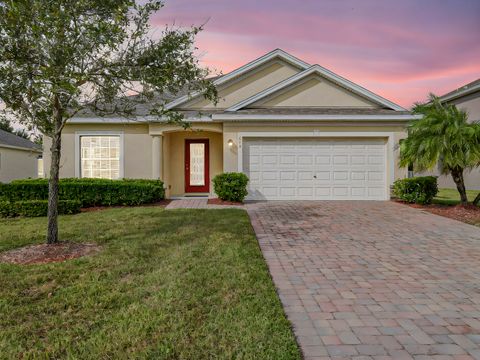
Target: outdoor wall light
230, 143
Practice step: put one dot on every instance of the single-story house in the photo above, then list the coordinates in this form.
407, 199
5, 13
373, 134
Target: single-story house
19, 157
467, 98
299, 131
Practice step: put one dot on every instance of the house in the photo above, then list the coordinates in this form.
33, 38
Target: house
19, 157
299, 131
467, 98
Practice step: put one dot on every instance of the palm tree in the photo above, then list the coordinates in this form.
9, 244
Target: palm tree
442, 136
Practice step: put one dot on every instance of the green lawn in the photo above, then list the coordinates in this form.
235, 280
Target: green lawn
181, 284
451, 196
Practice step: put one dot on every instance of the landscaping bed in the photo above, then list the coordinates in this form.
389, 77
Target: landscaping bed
179, 284
46, 253
28, 197
162, 203
447, 203
217, 201
469, 214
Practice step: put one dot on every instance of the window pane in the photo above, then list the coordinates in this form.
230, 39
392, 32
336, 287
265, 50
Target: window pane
100, 156
197, 164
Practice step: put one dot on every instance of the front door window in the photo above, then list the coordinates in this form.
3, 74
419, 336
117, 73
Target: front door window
197, 164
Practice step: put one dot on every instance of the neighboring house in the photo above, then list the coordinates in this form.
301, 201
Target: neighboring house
19, 157
467, 98
297, 130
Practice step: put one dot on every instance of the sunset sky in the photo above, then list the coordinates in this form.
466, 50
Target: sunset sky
401, 50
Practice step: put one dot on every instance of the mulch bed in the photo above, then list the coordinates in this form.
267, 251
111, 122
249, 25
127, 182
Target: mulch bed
48, 253
469, 214
217, 201
162, 203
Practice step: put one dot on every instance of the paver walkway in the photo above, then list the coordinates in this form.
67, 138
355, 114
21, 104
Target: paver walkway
373, 280
196, 203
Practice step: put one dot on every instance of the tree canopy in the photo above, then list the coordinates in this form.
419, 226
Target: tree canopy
61, 57
443, 137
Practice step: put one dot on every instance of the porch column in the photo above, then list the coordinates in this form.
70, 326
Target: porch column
157, 157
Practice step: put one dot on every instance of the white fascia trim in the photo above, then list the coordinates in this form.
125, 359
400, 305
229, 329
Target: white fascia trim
273, 117
138, 120
244, 69
21, 148
78, 134
322, 72
460, 93
100, 120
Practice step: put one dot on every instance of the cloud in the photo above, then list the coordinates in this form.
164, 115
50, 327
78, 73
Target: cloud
402, 50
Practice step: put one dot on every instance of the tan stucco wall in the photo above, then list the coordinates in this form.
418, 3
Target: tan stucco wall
174, 155
471, 104
315, 92
232, 131
17, 164
137, 148
252, 84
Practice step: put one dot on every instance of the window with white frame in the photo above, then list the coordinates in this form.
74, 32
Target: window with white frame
100, 156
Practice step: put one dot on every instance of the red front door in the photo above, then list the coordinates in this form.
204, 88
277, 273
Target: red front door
197, 162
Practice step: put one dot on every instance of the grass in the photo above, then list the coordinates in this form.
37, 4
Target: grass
451, 196
177, 284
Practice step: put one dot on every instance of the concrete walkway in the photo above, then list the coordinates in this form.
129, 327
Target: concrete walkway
373, 280
196, 203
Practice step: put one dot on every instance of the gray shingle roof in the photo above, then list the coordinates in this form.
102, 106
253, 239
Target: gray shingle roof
462, 90
320, 111
10, 139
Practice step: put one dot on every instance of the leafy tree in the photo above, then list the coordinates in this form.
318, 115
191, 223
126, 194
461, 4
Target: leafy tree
442, 136
6, 125
60, 57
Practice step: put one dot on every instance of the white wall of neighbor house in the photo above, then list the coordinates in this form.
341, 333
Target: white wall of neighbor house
17, 164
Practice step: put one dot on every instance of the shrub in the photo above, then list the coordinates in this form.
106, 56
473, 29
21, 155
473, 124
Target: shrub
231, 186
419, 190
34, 208
90, 192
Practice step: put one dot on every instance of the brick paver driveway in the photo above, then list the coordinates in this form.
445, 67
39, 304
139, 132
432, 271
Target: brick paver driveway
373, 280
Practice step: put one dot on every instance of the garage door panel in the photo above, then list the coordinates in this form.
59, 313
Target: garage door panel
305, 175
322, 160
358, 192
315, 168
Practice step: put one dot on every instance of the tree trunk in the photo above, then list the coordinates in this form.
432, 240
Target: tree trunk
52, 229
477, 200
457, 175
53, 182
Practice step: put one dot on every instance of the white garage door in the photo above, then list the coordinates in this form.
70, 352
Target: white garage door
315, 169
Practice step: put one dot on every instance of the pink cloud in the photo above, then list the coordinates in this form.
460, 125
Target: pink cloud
402, 50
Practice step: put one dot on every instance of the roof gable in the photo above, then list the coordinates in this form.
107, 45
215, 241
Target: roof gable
243, 87
316, 86
314, 91
277, 56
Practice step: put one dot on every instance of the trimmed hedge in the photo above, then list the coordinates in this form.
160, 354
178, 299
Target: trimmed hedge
231, 186
90, 192
35, 208
418, 190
